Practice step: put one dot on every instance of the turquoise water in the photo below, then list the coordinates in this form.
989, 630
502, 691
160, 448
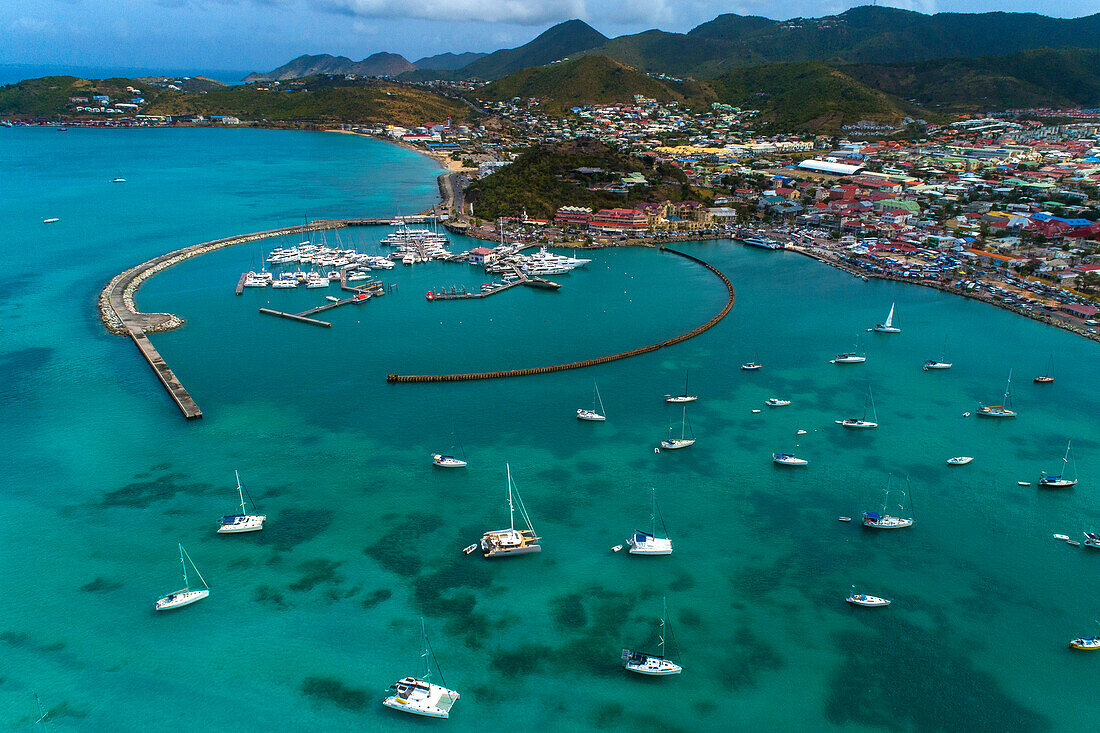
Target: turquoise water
309, 621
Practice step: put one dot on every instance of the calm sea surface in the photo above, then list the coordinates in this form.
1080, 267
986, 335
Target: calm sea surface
309, 621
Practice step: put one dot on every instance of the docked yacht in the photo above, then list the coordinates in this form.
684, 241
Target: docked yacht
511, 541
243, 522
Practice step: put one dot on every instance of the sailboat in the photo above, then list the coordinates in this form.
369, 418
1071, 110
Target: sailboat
862, 599
887, 326
648, 543
943, 363
243, 522
788, 459
511, 541
852, 357
876, 520
684, 396
862, 422
656, 665
417, 695
999, 410
185, 596
671, 443
1048, 376
593, 415
1062, 480
445, 460
751, 366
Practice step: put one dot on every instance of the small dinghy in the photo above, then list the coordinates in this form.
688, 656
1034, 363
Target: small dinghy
1073, 543
1023, 483
755, 411
1062, 537
843, 519
960, 460
617, 548
469, 549
862, 599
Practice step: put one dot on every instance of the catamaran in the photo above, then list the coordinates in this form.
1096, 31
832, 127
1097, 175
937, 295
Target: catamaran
862, 422
511, 541
1048, 376
684, 396
1062, 480
882, 520
671, 443
656, 665
185, 596
243, 522
1003, 410
648, 543
888, 326
447, 460
417, 695
943, 363
593, 415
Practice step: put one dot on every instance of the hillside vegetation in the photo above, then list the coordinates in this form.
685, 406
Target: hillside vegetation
589, 80
49, 95
544, 178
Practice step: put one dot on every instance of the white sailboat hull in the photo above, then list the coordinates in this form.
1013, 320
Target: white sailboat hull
180, 598
862, 599
447, 461
677, 443
677, 399
857, 424
421, 698
243, 523
936, 365
882, 328
590, 415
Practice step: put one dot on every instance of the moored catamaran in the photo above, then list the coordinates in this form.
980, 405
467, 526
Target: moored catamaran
418, 695
648, 543
511, 541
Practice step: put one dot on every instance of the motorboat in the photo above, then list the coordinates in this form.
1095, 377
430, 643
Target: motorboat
960, 460
243, 522
788, 459
511, 541
186, 595
1086, 643
776, 402
862, 599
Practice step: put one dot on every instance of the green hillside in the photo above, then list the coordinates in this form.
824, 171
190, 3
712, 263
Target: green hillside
49, 95
545, 178
554, 44
1046, 77
588, 80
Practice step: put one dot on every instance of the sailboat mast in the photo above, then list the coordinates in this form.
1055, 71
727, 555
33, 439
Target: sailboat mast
424, 650
1008, 387
661, 633
240, 491
653, 512
683, 419
511, 510
186, 583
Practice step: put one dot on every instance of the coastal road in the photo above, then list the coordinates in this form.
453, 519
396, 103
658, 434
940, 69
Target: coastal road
451, 192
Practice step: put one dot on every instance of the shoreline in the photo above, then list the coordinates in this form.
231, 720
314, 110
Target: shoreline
444, 160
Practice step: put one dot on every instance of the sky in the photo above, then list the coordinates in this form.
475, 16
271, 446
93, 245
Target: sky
258, 35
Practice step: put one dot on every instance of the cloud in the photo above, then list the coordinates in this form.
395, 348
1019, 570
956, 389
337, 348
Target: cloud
29, 25
519, 12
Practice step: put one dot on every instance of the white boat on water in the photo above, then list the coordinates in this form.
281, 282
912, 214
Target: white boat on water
751, 366
788, 459
943, 363
862, 422
654, 665
1002, 410
683, 396
671, 443
51, 220
593, 415
862, 599
882, 520
1092, 539
511, 541
243, 522
648, 543
186, 595
888, 325
1062, 480
448, 460
851, 357
418, 695
960, 460
776, 402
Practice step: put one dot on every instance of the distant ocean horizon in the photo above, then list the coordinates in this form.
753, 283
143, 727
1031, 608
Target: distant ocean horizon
13, 73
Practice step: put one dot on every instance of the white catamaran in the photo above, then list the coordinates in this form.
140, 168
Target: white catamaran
671, 443
185, 596
1062, 480
887, 326
593, 415
655, 665
648, 543
243, 522
511, 541
417, 695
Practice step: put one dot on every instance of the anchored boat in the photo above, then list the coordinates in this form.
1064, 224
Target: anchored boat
862, 422
1003, 410
671, 443
418, 695
862, 599
654, 665
684, 396
1048, 376
648, 543
888, 326
593, 415
511, 541
186, 595
243, 522
882, 520
1062, 480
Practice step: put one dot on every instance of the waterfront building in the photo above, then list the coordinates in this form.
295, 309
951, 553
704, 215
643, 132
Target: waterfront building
573, 216
618, 220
